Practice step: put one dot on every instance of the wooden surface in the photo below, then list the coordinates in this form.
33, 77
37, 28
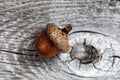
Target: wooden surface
22, 20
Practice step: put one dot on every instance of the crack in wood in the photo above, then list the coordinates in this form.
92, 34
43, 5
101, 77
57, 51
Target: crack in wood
77, 75
18, 53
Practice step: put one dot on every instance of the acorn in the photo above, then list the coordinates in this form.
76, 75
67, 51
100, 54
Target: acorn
52, 41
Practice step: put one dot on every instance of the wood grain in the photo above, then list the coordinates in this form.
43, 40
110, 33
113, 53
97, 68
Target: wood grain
22, 20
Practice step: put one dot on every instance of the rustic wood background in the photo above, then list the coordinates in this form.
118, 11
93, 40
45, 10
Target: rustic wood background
22, 20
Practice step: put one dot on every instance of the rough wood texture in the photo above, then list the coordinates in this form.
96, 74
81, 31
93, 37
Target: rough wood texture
22, 20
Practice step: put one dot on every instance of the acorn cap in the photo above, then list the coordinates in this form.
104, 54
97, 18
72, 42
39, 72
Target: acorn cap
59, 36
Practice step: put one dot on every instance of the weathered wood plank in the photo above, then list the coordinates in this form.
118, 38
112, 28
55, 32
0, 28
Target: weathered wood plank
22, 20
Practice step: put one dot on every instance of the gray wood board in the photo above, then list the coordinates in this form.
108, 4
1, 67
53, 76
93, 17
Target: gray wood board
22, 20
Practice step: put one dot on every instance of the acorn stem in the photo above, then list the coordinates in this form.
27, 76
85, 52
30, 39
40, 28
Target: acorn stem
67, 28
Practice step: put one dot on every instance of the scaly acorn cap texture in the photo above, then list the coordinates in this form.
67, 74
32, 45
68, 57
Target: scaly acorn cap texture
59, 36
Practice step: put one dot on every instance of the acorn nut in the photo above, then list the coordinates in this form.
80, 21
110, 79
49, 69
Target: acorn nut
52, 41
